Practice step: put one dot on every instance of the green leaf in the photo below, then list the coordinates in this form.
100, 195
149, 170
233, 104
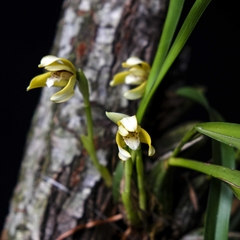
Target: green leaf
183, 35
227, 175
195, 95
220, 196
173, 15
189, 24
228, 133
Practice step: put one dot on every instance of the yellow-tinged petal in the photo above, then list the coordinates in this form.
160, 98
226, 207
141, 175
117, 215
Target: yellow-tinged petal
123, 154
58, 77
61, 83
56, 67
130, 123
115, 117
151, 151
119, 140
119, 78
69, 64
138, 71
122, 130
145, 138
39, 81
134, 80
135, 93
132, 61
47, 60
53, 64
66, 93
145, 66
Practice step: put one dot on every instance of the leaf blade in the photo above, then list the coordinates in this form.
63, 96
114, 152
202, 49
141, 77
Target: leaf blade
227, 133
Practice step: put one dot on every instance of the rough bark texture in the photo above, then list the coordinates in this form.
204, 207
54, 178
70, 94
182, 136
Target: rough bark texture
97, 35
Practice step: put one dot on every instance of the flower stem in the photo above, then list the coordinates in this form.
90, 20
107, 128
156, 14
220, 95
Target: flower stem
140, 181
88, 141
126, 195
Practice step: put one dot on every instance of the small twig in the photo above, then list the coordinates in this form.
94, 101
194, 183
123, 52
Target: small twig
90, 225
192, 195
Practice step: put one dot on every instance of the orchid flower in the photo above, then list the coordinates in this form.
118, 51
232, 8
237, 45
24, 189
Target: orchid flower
61, 73
136, 75
129, 134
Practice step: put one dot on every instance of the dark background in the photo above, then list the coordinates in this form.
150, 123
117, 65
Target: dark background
27, 33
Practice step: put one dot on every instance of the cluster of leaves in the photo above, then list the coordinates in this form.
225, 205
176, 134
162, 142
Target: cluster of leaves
225, 138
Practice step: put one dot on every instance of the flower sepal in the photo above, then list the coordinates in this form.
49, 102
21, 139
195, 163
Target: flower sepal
115, 117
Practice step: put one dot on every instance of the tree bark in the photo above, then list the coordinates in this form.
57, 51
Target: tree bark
58, 187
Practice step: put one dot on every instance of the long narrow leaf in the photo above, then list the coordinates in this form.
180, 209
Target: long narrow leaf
220, 196
183, 35
228, 133
227, 175
195, 95
173, 15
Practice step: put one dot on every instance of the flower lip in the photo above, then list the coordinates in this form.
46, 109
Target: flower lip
57, 77
132, 140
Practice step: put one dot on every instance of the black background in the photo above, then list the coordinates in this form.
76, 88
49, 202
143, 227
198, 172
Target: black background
27, 33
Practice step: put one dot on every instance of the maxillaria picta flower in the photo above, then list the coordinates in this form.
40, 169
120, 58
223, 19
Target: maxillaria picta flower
129, 134
61, 73
137, 74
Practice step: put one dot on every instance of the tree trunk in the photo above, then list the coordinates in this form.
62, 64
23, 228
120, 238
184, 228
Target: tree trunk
58, 187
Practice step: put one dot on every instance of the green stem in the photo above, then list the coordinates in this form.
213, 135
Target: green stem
140, 181
126, 195
88, 141
88, 113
